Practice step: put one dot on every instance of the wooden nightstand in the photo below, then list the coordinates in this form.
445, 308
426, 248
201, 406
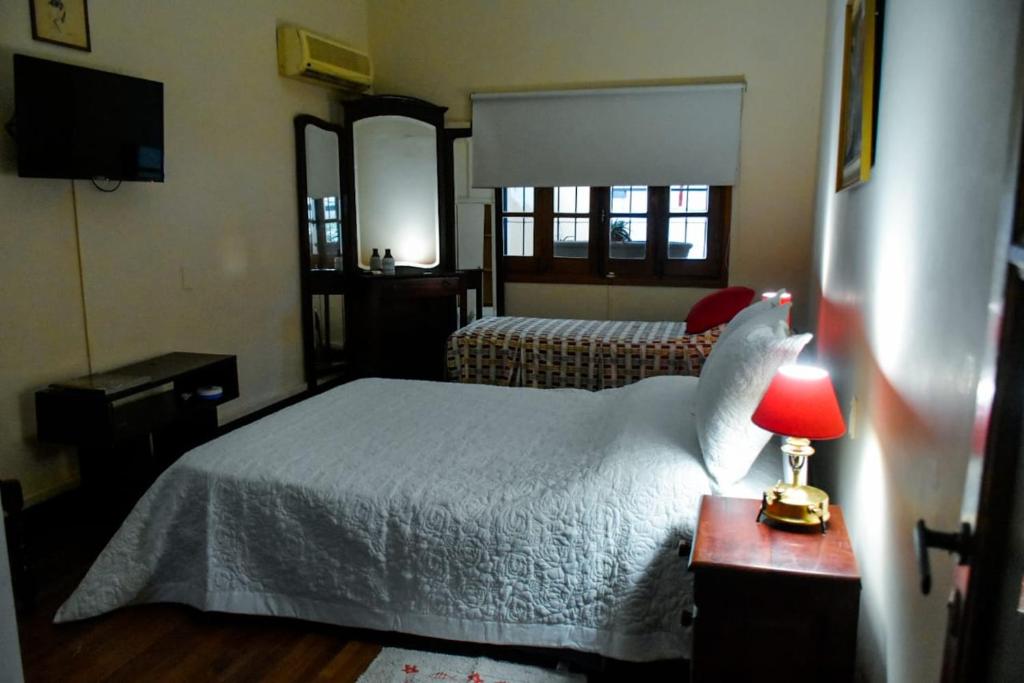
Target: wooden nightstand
773, 604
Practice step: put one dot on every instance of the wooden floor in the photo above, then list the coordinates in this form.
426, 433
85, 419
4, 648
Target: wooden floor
174, 643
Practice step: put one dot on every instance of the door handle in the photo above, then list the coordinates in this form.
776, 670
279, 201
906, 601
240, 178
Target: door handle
1016, 258
958, 542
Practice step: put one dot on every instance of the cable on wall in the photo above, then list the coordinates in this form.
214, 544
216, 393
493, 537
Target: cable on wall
81, 278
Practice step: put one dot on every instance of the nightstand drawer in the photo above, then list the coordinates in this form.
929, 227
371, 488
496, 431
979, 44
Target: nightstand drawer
770, 627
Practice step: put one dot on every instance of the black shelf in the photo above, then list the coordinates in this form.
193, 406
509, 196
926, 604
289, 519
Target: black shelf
131, 422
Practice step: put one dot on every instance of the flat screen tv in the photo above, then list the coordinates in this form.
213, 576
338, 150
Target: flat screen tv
73, 122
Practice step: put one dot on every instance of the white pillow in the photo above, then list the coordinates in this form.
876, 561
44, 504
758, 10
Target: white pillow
761, 313
732, 383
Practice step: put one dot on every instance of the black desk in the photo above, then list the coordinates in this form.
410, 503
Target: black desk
131, 422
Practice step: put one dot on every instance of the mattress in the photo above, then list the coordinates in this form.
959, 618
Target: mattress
472, 513
547, 353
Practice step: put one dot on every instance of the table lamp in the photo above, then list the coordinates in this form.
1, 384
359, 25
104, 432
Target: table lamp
800, 405
784, 297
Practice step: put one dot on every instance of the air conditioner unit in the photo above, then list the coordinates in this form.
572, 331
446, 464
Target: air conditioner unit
309, 57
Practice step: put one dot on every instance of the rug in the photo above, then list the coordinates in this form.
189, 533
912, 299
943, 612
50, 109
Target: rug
394, 665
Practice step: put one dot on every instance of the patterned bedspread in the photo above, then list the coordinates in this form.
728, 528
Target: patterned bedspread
585, 354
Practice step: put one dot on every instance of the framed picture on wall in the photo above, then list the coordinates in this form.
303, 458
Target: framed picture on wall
63, 22
858, 108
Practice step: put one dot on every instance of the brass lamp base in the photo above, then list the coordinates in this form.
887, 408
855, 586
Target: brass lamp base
796, 505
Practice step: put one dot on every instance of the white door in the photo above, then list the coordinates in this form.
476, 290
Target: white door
10, 655
985, 609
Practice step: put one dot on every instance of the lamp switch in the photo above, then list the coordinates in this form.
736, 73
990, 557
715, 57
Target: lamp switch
186, 280
852, 422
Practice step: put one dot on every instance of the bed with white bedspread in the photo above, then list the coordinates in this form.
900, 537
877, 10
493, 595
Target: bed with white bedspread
465, 512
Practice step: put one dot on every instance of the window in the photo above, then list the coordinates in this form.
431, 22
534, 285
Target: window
572, 222
634, 234
517, 221
688, 222
627, 227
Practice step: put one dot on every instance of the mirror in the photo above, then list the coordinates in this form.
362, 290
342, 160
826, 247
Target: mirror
396, 190
322, 228
323, 197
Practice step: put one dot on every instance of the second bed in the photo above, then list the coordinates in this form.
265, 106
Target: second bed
547, 353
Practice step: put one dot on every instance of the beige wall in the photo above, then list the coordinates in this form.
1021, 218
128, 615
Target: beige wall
907, 266
443, 51
208, 260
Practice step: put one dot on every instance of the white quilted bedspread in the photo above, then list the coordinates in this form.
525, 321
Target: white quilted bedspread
477, 513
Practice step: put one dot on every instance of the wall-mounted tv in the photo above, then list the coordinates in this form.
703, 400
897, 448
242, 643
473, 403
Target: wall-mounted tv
73, 122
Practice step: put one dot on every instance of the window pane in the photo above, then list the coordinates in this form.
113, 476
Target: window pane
313, 247
687, 238
688, 198
518, 236
571, 237
572, 200
629, 199
311, 209
519, 199
331, 208
332, 232
627, 238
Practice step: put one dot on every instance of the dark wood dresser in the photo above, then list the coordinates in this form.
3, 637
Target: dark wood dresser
398, 325
772, 604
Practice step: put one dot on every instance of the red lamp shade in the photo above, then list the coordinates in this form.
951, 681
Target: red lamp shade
800, 402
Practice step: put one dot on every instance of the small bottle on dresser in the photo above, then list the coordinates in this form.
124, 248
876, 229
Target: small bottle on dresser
388, 262
375, 260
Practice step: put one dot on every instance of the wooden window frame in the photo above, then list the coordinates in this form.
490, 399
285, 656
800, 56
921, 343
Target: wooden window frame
565, 266
631, 268
654, 270
515, 265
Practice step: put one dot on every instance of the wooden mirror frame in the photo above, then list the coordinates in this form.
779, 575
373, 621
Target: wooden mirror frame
320, 282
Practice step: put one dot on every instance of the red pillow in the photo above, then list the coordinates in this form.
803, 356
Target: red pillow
717, 308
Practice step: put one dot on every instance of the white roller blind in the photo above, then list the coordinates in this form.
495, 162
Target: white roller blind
658, 135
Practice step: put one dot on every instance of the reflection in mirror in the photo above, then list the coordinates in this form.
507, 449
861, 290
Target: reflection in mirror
396, 170
328, 336
323, 197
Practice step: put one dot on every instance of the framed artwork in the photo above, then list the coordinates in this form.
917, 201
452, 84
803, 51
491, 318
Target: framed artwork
63, 22
858, 109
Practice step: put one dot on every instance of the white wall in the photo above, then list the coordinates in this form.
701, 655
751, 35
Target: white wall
208, 260
443, 51
906, 265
